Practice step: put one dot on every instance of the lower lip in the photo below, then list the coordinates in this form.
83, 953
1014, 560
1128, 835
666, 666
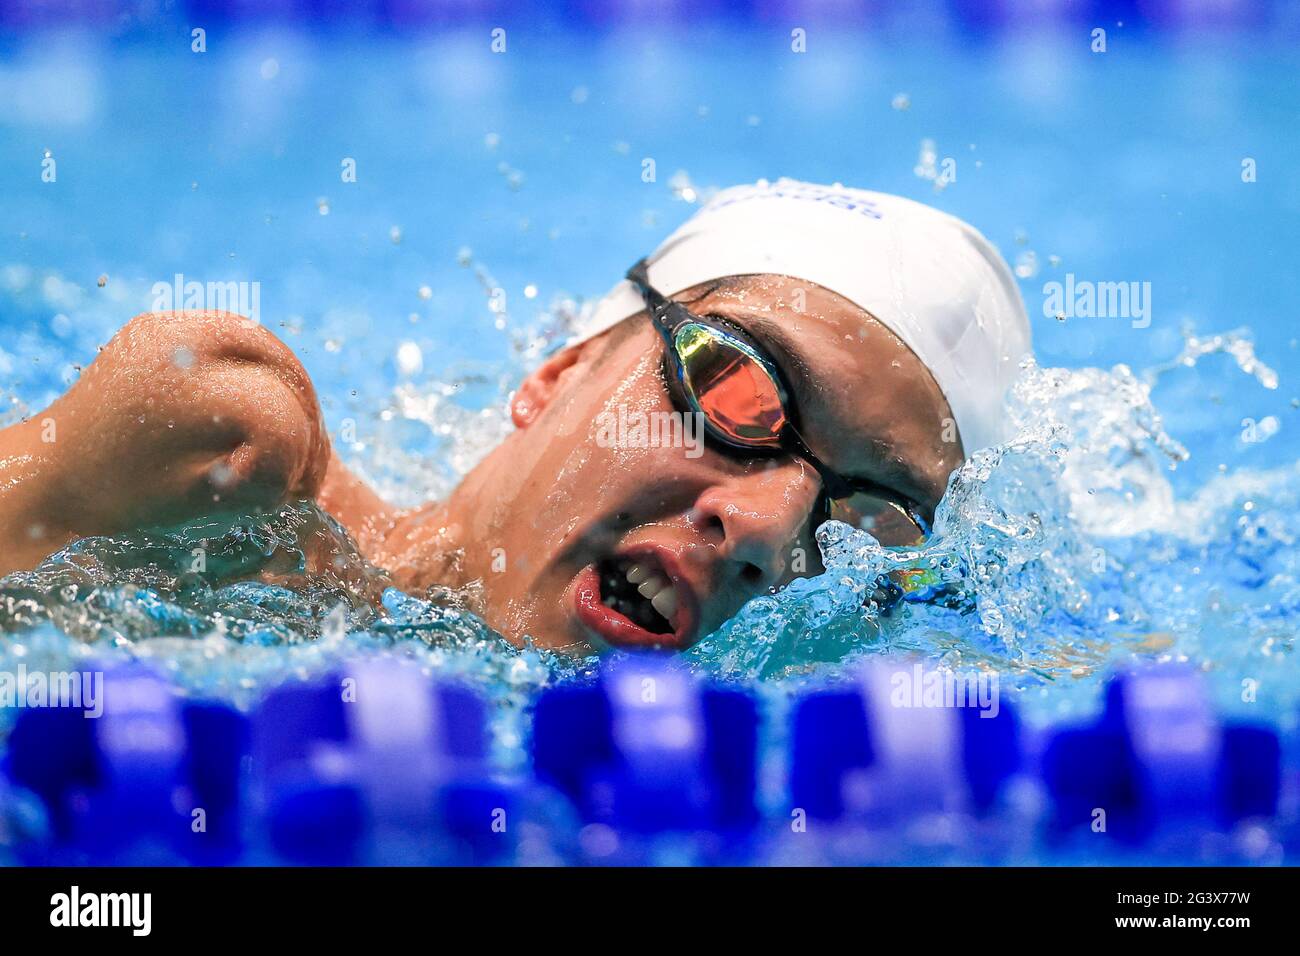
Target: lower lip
612, 627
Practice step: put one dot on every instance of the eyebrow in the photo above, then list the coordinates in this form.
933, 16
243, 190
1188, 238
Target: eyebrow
893, 476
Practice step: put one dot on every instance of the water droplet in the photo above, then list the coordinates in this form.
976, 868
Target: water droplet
410, 359
1027, 264
221, 475
927, 161
682, 187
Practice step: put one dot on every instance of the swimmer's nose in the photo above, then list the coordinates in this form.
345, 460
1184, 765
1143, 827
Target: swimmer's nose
757, 520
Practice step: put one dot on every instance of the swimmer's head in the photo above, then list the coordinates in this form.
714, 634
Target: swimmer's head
892, 331
931, 279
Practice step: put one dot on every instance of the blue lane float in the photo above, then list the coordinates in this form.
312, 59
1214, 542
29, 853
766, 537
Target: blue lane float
1161, 772
153, 779
376, 765
881, 750
650, 749
381, 763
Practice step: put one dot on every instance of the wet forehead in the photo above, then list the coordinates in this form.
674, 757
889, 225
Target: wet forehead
867, 404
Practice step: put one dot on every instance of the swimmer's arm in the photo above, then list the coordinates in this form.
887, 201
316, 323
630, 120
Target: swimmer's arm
181, 414
357, 507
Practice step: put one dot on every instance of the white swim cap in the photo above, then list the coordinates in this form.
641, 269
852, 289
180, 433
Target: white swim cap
933, 280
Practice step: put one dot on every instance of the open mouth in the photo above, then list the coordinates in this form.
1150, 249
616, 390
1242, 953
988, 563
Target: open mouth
640, 593
633, 601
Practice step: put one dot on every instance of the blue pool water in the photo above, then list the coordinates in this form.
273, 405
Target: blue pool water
1147, 510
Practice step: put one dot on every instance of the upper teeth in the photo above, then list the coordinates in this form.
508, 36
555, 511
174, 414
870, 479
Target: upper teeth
656, 587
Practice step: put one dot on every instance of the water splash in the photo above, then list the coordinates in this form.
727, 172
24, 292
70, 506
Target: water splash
278, 597
1058, 552
1237, 343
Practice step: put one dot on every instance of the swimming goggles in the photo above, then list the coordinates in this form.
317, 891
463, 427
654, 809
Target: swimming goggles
716, 369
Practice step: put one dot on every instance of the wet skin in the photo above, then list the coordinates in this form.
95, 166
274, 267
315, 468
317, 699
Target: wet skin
538, 519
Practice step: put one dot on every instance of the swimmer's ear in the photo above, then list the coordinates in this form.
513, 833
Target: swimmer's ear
539, 388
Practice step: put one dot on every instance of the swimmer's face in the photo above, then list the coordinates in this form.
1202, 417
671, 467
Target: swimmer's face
578, 504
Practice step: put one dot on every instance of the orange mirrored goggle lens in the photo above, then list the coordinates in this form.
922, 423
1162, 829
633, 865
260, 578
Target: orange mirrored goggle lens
742, 402
730, 386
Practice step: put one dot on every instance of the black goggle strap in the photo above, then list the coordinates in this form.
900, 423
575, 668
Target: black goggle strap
639, 276
666, 315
